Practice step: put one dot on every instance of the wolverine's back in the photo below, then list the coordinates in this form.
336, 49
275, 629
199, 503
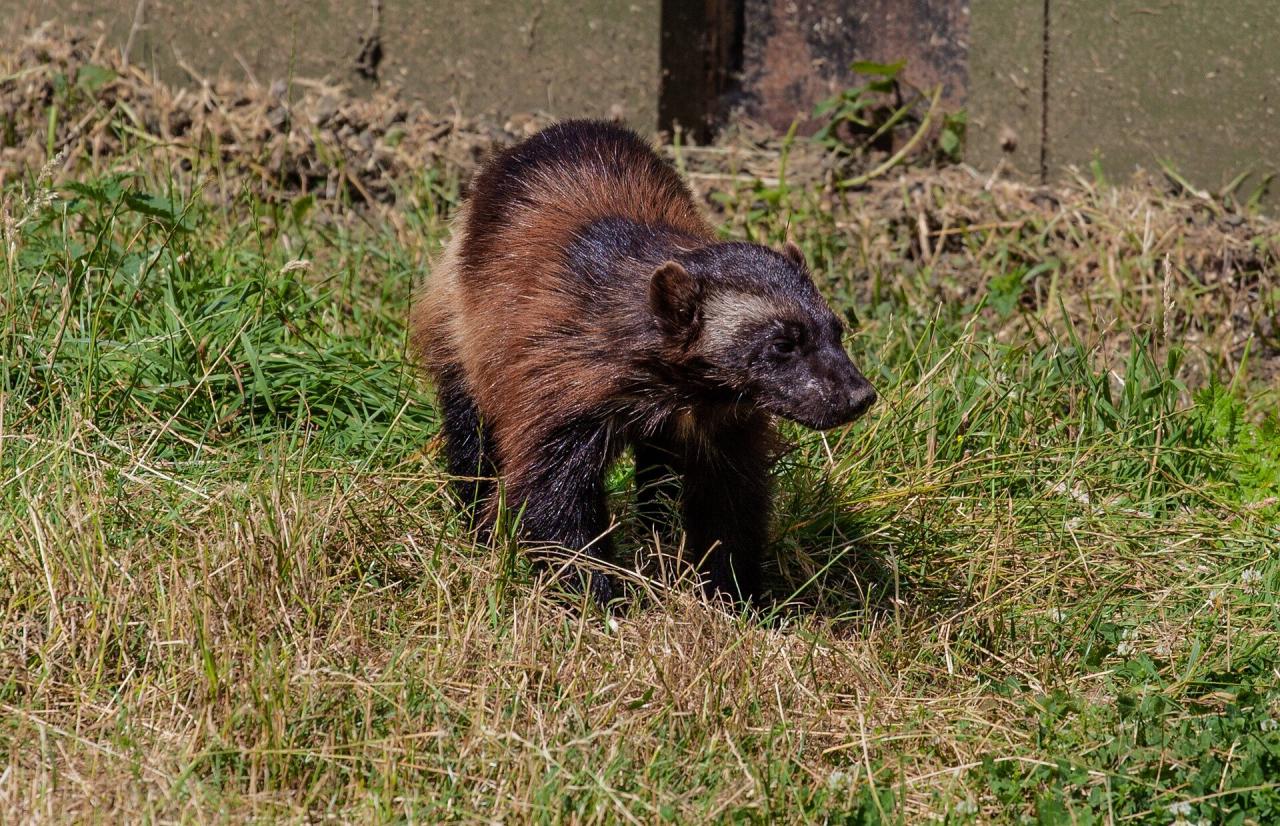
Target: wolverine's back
542, 191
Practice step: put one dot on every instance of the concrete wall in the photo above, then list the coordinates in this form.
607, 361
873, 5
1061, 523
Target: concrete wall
587, 57
1047, 83
1006, 77
1129, 83
1196, 83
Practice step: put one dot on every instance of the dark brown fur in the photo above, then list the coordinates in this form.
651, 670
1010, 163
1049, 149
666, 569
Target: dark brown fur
582, 305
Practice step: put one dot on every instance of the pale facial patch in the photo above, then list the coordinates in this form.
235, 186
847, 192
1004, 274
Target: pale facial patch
725, 313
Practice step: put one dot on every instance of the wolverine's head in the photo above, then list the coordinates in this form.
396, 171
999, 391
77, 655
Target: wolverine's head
753, 324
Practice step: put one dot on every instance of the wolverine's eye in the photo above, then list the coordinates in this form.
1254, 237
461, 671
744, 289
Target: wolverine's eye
787, 338
782, 346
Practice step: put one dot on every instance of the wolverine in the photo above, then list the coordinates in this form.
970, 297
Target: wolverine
584, 305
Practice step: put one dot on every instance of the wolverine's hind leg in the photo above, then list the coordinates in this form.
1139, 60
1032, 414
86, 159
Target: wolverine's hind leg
468, 446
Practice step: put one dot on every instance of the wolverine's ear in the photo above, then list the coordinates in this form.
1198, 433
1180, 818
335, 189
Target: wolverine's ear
674, 296
793, 254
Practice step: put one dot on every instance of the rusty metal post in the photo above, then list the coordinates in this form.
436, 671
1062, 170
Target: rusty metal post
701, 56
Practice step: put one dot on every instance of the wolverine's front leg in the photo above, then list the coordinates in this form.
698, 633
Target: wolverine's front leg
726, 506
659, 461
556, 482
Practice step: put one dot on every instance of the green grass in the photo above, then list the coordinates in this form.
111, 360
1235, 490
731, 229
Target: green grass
1036, 585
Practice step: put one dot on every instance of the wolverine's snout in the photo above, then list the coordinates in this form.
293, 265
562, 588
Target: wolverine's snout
836, 393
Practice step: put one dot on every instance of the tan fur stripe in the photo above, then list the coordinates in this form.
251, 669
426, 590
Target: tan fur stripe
725, 313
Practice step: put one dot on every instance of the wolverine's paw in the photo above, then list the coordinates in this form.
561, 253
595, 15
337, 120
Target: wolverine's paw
601, 588
741, 587
594, 584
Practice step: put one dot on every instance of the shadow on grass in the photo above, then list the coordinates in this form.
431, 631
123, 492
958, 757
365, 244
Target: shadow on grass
853, 563
857, 564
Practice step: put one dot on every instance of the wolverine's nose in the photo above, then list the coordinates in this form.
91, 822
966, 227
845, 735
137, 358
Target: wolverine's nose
861, 396
848, 393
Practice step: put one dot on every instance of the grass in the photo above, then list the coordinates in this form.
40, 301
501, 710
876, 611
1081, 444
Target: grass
1037, 585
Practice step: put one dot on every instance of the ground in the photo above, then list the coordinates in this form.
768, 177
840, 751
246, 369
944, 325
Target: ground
1037, 584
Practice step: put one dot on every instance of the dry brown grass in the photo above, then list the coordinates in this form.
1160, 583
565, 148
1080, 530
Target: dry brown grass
233, 587
312, 640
